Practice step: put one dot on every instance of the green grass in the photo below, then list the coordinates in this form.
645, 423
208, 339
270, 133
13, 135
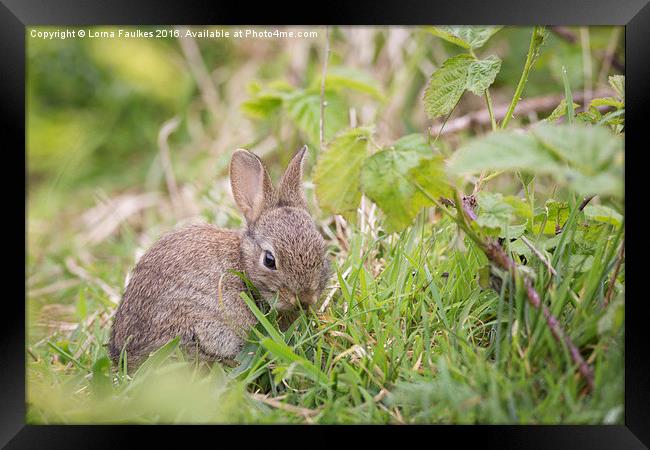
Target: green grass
408, 337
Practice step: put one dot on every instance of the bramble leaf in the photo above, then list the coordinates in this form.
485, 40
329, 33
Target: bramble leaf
589, 159
303, 107
341, 77
447, 85
606, 101
481, 74
555, 216
337, 172
493, 213
502, 150
589, 149
431, 176
604, 214
455, 76
385, 180
559, 111
468, 37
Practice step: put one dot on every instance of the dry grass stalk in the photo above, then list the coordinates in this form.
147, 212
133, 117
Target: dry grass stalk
165, 159
80, 272
199, 71
52, 288
275, 403
104, 219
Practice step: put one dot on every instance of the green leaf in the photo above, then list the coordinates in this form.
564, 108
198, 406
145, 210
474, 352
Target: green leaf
617, 82
604, 214
588, 235
520, 248
519, 206
481, 74
101, 378
262, 106
613, 118
484, 277
457, 74
284, 352
275, 334
590, 116
551, 243
465, 36
303, 107
158, 357
513, 231
430, 176
606, 183
606, 101
447, 85
588, 159
494, 213
265, 102
553, 218
341, 77
589, 149
337, 172
385, 180
593, 154
502, 150
559, 111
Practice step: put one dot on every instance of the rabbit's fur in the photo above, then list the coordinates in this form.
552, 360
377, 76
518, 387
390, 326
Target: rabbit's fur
183, 285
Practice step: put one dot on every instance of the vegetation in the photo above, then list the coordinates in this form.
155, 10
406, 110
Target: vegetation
469, 181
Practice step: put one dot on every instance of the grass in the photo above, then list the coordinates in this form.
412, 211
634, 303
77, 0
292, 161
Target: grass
408, 336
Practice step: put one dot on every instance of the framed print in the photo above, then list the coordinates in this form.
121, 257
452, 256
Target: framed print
417, 216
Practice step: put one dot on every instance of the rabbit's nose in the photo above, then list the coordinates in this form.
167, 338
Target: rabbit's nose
308, 298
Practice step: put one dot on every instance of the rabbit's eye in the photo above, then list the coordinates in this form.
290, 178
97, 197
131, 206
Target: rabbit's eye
269, 260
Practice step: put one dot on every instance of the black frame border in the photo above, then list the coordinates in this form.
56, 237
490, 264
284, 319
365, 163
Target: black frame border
15, 15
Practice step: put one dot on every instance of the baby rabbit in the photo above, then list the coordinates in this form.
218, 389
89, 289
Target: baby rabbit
183, 286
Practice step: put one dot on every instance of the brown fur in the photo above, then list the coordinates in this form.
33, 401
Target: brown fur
182, 286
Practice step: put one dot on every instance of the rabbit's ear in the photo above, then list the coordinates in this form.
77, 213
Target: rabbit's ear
290, 191
251, 185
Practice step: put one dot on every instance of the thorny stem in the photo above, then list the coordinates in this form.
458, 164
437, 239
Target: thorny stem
533, 50
497, 255
612, 281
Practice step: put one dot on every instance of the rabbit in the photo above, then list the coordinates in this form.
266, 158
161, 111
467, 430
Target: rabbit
184, 286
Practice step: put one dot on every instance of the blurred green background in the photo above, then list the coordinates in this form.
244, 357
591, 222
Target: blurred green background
96, 105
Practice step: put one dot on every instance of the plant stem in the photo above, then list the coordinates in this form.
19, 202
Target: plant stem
488, 100
498, 256
612, 281
535, 42
322, 89
570, 113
